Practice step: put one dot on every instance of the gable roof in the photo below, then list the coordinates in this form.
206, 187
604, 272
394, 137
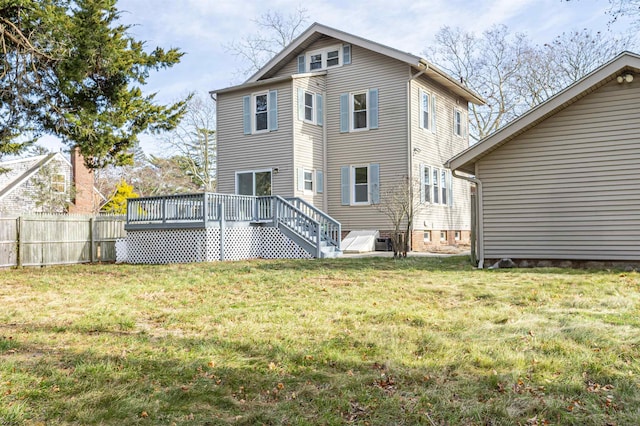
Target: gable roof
316, 31
19, 171
621, 64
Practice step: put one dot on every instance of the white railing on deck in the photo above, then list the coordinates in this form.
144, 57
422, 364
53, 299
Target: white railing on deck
195, 210
331, 228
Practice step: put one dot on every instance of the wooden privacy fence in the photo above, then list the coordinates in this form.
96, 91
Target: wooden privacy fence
42, 240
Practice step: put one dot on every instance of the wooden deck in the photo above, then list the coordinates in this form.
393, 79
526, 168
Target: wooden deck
301, 222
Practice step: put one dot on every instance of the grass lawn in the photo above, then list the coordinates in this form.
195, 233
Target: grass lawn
371, 341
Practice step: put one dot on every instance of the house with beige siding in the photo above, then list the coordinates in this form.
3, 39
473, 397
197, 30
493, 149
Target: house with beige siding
560, 183
336, 119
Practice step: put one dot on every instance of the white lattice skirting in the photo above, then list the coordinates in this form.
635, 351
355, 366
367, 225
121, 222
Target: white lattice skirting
202, 245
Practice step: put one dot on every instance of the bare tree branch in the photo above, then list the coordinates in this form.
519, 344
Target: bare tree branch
276, 32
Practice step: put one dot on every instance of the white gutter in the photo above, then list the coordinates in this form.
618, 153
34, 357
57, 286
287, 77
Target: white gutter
325, 197
409, 133
479, 221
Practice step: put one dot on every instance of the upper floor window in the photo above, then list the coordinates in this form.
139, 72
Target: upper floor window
329, 57
310, 107
58, 183
457, 122
315, 61
428, 111
359, 110
260, 112
325, 58
308, 180
425, 106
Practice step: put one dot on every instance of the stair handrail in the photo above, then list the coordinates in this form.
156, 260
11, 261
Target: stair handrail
299, 222
333, 231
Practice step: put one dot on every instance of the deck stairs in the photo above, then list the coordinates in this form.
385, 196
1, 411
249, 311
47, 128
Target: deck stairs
307, 226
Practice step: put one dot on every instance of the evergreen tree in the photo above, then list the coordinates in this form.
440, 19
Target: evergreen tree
70, 69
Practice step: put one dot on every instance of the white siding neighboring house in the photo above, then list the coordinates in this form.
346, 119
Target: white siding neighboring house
46, 184
335, 119
562, 181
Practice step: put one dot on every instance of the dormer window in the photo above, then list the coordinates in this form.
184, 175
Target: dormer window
315, 62
333, 58
326, 58
321, 59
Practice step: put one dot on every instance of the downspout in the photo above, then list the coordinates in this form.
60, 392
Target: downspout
479, 220
325, 197
409, 133
214, 98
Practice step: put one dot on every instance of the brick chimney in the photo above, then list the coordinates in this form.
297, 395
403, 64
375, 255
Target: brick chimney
84, 197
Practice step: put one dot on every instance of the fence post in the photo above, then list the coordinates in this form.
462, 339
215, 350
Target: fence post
19, 242
222, 229
91, 241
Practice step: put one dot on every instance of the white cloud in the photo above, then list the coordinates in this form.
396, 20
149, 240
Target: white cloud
201, 28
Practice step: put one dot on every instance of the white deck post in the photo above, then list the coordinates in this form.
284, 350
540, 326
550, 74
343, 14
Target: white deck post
222, 226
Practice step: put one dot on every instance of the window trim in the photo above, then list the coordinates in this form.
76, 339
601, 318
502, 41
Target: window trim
324, 54
352, 184
62, 182
312, 172
253, 176
352, 111
435, 190
313, 106
425, 124
427, 187
457, 122
254, 112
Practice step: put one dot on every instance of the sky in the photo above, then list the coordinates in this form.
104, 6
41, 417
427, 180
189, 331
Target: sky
203, 28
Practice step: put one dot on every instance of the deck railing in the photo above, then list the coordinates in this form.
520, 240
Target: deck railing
210, 209
330, 228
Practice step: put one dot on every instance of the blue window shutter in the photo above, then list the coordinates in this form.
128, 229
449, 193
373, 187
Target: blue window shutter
300, 175
374, 175
300, 104
301, 64
433, 113
344, 112
373, 108
319, 181
344, 186
246, 114
273, 110
422, 184
346, 54
319, 110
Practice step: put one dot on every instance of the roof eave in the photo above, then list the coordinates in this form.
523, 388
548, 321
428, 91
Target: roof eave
466, 160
